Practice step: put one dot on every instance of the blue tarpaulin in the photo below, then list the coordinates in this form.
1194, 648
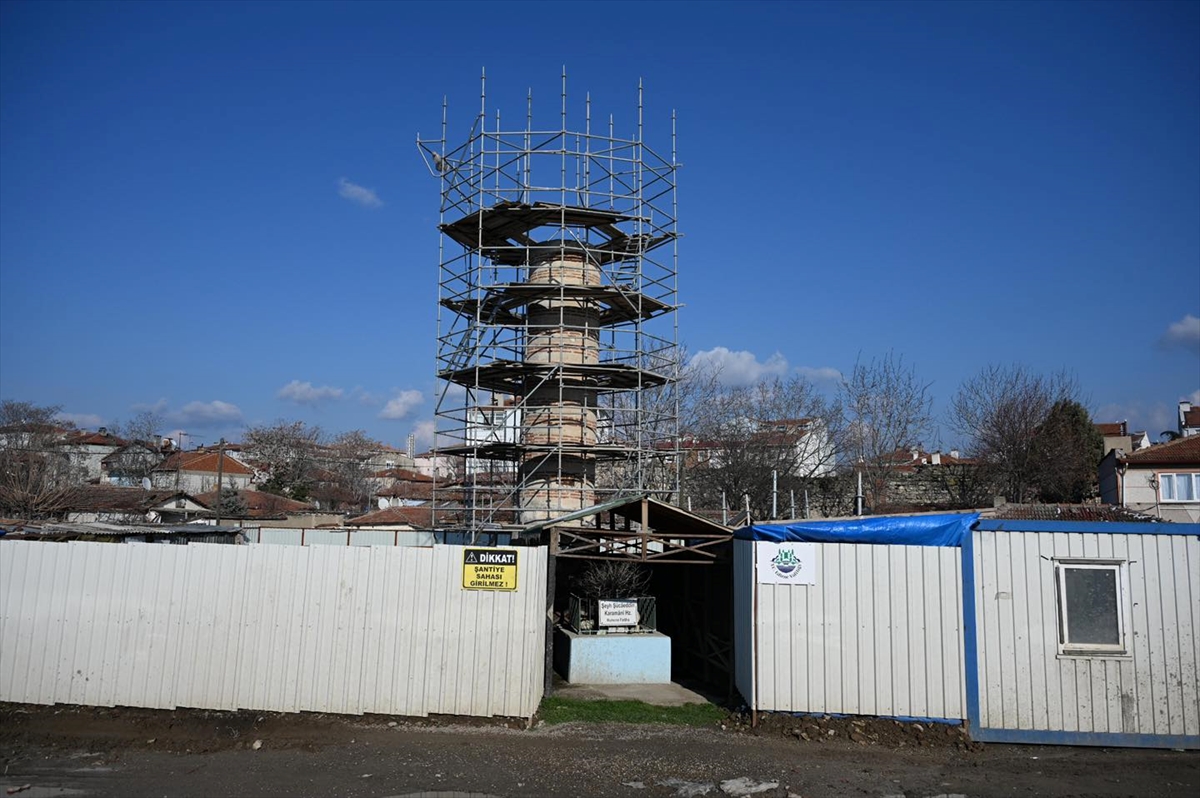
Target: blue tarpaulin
911, 530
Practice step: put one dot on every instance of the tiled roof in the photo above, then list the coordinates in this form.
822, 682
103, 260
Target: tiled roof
202, 461
1191, 418
405, 474
1184, 452
127, 449
84, 438
1069, 512
418, 517
112, 498
260, 504
1112, 429
408, 490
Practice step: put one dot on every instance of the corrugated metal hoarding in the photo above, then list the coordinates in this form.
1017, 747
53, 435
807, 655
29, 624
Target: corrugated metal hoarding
342, 629
1030, 681
877, 632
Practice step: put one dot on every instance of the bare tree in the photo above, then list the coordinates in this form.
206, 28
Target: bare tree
146, 427
286, 452
998, 412
37, 478
349, 471
646, 422
888, 410
744, 442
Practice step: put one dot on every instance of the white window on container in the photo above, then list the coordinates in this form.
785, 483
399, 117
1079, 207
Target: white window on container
1091, 607
1179, 487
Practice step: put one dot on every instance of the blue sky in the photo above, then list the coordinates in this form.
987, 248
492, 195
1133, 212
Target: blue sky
218, 211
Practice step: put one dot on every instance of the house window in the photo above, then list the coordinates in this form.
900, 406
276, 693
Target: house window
1091, 607
1179, 487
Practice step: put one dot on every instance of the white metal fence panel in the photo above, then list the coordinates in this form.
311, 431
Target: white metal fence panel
880, 633
1025, 683
296, 536
344, 629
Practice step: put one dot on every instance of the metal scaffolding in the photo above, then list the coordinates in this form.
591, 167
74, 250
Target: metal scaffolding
557, 347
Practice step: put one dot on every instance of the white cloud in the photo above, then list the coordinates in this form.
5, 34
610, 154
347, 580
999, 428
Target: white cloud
1184, 333
400, 405
305, 393
819, 373
740, 368
423, 431
1194, 397
365, 397
200, 414
81, 420
364, 196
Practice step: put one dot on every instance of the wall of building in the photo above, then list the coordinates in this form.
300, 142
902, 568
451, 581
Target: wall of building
880, 633
1140, 487
340, 629
1026, 684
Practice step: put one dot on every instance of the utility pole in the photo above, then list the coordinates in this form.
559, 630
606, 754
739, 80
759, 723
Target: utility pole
220, 476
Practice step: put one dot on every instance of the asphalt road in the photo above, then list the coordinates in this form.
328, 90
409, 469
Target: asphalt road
299, 756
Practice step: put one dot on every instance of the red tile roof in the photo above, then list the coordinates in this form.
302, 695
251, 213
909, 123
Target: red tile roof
260, 504
405, 474
1191, 418
1184, 451
1112, 428
419, 517
202, 461
1069, 512
113, 498
84, 438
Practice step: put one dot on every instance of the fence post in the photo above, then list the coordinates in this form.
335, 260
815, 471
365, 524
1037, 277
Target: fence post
551, 567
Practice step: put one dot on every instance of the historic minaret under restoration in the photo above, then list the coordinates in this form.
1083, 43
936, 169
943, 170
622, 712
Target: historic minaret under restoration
557, 339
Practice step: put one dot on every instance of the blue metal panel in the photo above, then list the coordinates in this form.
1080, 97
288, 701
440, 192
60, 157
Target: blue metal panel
1101, 527
970, 635
1037, 737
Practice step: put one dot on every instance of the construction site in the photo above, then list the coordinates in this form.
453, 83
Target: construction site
558, 353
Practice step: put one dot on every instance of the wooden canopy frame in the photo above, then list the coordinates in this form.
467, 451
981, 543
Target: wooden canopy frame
664, 533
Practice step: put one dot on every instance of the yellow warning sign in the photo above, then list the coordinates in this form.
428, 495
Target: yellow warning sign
489, 569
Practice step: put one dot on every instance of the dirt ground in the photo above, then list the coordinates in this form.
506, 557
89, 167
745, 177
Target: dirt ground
85, 751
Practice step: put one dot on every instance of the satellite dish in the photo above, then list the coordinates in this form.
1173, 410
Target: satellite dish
145, 483
383, 503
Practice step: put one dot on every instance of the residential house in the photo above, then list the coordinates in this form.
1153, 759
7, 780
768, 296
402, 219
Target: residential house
395, 518
87, 451
116, 505
255, 505
1189, 420
402, 487
384, 457
130, 464
1162, 480
196, 472
804, 440
1116, 435
437, 465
